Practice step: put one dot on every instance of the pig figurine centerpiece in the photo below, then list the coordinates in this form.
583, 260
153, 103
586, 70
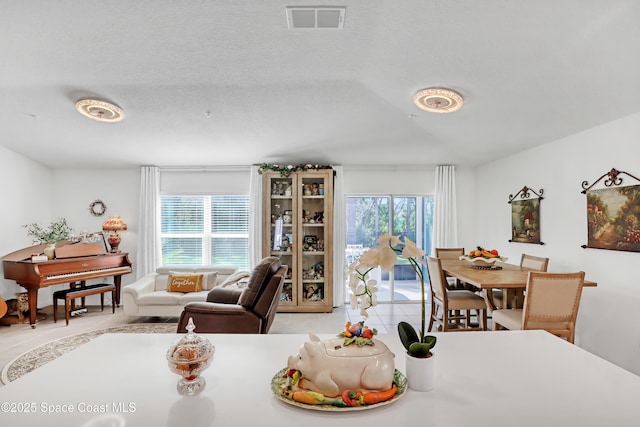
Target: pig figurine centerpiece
331, 367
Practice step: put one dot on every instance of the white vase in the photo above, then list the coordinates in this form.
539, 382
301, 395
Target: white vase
420, 372
50, 250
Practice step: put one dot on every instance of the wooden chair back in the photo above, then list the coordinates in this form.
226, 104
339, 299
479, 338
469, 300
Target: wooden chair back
534, 262
436, 278
455, 314
552, 302
449, 253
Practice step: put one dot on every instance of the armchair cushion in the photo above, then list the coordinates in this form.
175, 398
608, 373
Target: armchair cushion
224, 295
259, 279
212, 318
216, 308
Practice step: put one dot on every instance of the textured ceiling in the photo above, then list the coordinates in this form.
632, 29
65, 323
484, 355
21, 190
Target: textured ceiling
226, 82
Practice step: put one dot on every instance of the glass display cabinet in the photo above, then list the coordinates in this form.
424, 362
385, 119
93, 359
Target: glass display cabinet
297, 228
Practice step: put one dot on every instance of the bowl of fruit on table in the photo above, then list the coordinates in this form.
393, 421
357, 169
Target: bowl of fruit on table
483, 258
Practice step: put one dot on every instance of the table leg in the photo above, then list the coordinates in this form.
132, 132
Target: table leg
519, 298
513, 298
488, 298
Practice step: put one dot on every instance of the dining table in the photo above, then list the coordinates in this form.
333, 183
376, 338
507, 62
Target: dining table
510, 278
523, 378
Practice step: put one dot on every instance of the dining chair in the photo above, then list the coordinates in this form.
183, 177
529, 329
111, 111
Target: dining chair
527, 261
451, 253
534, 262
451, 310
551, 303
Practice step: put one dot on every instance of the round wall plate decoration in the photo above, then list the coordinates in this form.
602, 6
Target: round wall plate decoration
97, 208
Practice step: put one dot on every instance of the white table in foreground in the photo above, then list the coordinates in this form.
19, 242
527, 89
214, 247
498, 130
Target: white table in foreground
506, 378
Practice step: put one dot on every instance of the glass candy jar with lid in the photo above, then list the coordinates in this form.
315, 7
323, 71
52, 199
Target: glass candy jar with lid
188, 357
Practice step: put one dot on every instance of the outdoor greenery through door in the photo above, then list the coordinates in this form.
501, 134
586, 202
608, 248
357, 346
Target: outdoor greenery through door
369, 217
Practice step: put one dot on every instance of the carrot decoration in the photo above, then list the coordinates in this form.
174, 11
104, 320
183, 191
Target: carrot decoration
309, 397
379, 396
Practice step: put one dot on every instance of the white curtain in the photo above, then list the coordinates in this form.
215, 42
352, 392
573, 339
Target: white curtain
255, 217
445, 219
149, 249
339, 242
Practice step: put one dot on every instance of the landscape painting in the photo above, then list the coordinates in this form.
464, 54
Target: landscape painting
613, 218
525, 221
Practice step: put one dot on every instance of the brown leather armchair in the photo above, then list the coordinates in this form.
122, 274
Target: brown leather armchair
241, 311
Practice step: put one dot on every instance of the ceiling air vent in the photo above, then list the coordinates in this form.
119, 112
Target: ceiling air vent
315, 17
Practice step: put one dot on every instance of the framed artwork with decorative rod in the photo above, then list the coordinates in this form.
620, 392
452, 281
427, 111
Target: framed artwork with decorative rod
525, 216
613, 213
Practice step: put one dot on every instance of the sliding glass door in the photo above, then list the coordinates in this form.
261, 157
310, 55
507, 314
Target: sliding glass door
369, 217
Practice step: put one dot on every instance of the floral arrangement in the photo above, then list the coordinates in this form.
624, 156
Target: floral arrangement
56, 231
363, 289
289, 169
363, 296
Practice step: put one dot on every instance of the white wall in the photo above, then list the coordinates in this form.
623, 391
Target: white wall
74, 190
416, 180
216, 180
25, 196
34, 193
605, 324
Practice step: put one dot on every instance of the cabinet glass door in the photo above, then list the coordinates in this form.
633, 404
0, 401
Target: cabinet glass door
313, 238
283, 233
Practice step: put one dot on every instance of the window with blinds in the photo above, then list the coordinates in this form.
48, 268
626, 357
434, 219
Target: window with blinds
202, 230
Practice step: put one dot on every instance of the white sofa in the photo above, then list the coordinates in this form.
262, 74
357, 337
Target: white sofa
148, 296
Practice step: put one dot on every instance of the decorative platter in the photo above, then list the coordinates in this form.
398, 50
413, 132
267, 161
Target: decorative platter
278, 383
483, 262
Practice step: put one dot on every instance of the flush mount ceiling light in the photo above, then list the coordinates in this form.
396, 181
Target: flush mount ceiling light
99, 110
438, 100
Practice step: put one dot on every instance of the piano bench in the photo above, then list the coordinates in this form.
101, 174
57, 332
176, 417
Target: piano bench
70, 294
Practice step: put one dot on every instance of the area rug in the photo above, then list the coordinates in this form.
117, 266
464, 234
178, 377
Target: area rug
45, 353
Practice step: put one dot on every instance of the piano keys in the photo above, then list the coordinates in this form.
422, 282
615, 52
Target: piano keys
35, 275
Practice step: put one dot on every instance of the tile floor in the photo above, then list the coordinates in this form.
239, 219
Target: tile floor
383, 317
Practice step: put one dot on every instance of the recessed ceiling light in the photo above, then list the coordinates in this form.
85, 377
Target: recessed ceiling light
99, 110
438, 100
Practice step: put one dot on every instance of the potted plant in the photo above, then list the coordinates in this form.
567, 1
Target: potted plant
56, 231
418, 345
420, 362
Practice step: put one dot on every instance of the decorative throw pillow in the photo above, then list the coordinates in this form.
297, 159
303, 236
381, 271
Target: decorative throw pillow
180, 282
210, 280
